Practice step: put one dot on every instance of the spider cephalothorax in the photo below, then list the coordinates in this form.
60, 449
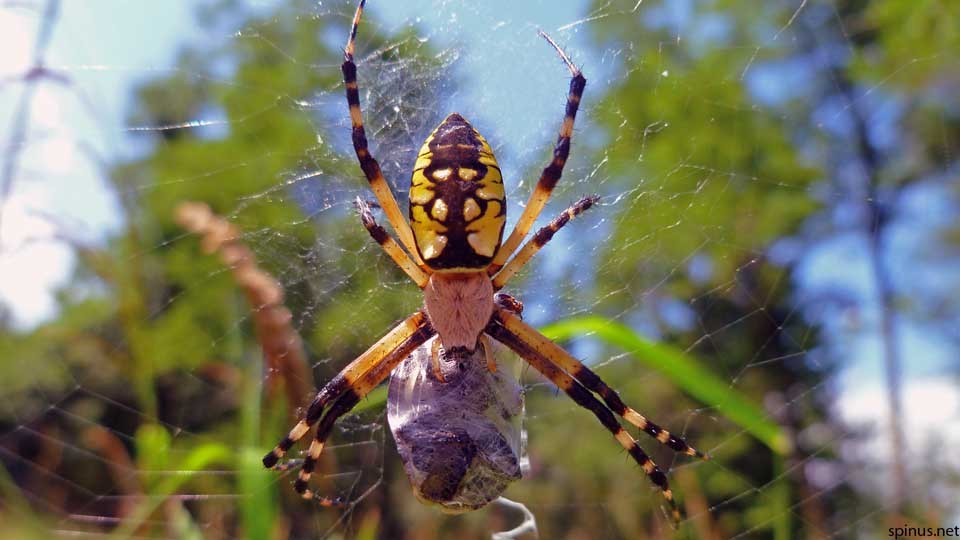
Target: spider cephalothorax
452, 250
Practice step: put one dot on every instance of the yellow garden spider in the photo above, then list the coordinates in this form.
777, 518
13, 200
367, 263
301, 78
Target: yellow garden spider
455, 255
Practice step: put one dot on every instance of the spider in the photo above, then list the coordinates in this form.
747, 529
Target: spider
453, 249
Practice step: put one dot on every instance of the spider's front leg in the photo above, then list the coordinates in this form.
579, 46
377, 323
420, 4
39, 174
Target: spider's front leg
540, 239
558, 366
594, 383
345, 390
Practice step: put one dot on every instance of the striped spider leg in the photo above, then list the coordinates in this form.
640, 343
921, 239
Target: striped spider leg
369, 164
552, 172
344, 391
578, 381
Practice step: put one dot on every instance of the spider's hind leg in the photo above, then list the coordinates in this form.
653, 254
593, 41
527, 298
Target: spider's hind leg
369, 164
380, 361
348, 380
551, 173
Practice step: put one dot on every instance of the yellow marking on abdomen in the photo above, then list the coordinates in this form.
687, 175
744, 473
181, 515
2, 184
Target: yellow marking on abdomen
432, 246
423, 160
427, 231
421, 188
485, 231
491, 186
471, 210
439, 210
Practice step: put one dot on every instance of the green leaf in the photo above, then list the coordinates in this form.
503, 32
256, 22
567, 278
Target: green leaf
685, 372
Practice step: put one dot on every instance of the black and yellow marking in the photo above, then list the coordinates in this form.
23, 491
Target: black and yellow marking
389, 245
369, 165
539, 240
324, 428
348, 379
457, 200
594, 383
585, 399
552, 172
349, 398
506, 301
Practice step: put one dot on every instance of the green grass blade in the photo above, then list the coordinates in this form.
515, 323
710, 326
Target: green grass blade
152, 441
376, 399
681, 369
258, 485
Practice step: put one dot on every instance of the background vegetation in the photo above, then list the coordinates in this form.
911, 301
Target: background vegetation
142, 409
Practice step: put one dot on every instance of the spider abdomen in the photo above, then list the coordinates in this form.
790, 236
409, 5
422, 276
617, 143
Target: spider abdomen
457, 200
460, 440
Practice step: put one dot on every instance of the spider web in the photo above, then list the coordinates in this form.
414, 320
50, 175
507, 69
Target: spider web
776, 204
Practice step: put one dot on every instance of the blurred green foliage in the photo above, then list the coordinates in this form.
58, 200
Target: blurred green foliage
160, 362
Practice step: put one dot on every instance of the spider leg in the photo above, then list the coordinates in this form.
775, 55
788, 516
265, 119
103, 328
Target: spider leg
370, 166
585, 399
585, 376
347, 380
488, 353
390, 245
339, 408
370, 379
540, 238
435, 361
551, 174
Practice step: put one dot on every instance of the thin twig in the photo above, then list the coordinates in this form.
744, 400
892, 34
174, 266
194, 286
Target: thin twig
21, 116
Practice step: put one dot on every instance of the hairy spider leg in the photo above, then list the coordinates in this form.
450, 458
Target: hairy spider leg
390, 245
585, 399
540, 239
585, 376
370, 166
357, 391
551, 174
346, 380
488, 353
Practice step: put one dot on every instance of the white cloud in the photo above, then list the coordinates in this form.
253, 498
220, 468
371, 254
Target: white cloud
931, 424
931, 409
32, 264
17, 31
